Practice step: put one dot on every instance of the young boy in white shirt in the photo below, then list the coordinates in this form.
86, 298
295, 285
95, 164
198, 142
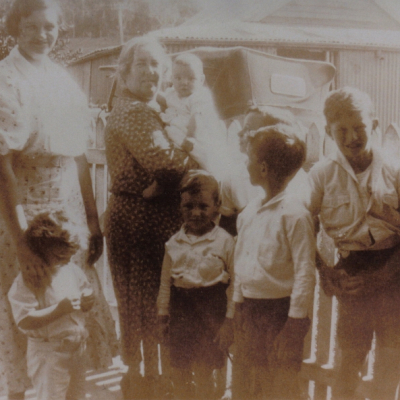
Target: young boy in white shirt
52, 316
355, 192
274, 269
195, 296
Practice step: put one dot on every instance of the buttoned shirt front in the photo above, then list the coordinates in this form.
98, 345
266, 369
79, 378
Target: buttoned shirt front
275, 253
337, 197
195, 262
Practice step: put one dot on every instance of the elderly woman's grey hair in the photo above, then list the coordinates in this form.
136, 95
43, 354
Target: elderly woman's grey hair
128, 53
24, 8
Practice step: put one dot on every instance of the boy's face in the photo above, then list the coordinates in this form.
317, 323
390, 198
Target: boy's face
60, 254
198, 211
185, 80
255, 167
352, 133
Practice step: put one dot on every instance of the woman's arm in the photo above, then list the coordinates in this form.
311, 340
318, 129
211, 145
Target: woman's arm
96, 237
32, 266
143, 136
39, 318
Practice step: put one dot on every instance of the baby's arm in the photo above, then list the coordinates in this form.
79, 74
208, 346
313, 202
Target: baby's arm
39, 318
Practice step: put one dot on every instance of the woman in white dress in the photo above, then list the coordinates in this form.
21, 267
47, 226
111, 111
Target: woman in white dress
44, 126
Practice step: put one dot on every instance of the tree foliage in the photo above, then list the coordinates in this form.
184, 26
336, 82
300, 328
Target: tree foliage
105, 18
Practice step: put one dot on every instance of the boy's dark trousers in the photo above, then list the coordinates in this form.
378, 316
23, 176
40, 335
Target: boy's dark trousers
255, 373
374, 310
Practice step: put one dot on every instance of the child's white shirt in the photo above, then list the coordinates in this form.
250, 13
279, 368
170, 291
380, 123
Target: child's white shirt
337, 197
275, 253
67, 281
195, 262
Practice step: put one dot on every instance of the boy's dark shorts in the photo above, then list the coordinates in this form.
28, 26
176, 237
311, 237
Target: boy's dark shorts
261, 321
361, 316
196, 316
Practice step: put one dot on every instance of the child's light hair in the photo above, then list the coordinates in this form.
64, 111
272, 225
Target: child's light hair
280, 148
50, 229
347, 100
190, 60
197, 180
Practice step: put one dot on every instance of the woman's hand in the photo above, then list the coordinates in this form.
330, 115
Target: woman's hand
95, 247
96, 237
34, 269
87, 300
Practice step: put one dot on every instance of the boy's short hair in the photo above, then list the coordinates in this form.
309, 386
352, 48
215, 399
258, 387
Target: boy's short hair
197, 180
280, 148
49, 229
347, 100
190, 60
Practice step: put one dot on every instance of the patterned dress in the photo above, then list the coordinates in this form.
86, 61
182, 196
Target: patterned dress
44, 124
136, 229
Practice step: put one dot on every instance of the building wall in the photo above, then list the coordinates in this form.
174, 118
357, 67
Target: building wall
375, 72
378, 74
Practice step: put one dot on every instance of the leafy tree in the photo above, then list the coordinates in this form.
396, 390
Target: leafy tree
100, 18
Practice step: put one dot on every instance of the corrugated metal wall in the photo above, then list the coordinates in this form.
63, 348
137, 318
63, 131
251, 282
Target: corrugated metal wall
378, 74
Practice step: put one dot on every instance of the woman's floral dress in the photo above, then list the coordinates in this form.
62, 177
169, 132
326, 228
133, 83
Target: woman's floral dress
44, 124
136, 229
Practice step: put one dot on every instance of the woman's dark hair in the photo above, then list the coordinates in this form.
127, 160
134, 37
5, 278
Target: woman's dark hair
280, 148
24, 8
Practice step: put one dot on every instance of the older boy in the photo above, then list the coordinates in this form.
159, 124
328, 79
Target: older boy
274, 268
356, 192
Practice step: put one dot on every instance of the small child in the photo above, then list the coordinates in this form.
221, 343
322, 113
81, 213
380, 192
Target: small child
190, 114
52, 317
356, 192
196, 289
274, 270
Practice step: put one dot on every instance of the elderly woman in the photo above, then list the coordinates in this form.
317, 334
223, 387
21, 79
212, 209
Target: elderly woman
44, 124
138, 151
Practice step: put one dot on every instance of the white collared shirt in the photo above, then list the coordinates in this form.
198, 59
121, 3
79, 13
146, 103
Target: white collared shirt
68, 281
339, 199
197, 261
275, 253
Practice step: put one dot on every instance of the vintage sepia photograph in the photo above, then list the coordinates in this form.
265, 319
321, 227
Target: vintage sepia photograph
199, 199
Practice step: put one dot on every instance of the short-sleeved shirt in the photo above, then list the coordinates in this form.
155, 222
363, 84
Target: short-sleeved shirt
68, 281
197, 261
42, 109
337, 196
